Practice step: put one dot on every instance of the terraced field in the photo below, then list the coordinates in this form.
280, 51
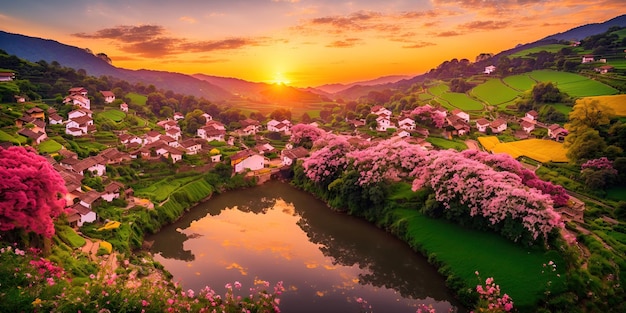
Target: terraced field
573, 84
494, 92
520, 82
553, 48
114, 115
536, 149
616, 102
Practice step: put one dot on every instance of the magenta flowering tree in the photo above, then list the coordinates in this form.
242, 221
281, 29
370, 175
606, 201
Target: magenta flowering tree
598, 173
427, 114
303, 134
326, 163
31, 191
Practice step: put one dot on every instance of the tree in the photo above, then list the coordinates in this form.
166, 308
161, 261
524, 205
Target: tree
589, 113
31, 192
281, 114
546, 92
585, 145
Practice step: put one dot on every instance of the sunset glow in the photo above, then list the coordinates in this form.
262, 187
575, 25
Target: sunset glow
298, 42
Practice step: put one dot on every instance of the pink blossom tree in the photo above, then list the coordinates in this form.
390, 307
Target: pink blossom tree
31, 191
428, 114
305, 133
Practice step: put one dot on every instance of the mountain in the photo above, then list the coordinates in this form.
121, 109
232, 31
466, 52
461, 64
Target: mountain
335, 88
36, 49
263, 91
581, 32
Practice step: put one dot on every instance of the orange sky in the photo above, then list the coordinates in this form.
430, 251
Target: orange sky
300, 42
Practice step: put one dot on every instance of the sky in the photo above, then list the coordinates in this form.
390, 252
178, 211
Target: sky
298, 42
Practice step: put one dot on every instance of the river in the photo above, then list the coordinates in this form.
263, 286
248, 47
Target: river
326, 259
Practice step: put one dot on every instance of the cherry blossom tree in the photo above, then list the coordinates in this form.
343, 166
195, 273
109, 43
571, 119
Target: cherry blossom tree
31, 191
428, 114
301, 134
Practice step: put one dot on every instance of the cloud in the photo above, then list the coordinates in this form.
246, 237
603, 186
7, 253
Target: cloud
187, 19
484, 25
224, 44
126, 33
154, 47
420, 44
450, 33
346, 43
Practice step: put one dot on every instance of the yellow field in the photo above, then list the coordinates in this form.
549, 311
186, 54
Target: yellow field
617, 102
536, 149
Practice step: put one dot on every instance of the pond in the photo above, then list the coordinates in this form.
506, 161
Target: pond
326, 259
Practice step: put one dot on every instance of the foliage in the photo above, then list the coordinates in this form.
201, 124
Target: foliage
32, 191
428, 115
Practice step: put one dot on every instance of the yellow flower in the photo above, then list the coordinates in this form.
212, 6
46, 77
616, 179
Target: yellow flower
37, 301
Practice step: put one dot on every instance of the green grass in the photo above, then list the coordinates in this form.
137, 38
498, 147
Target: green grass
516, 269
438, 89
587, 88
549, 48
520, 82
559, 78
49, 146
160, 190
137, 98
565, 109
114, 115
446, 144
7, 137
494, 92
69, 236
461, 101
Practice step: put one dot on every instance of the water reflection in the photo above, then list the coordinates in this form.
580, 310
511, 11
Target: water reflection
326, 259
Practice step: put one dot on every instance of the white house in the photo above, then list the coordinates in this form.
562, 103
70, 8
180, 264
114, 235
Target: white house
81, 214
482, 124
112, 191
281, 127
462, 115
79, 126
247, 160
124, 107
94, 164
531, 115
78, 113
498, 126
174, 133
7, 76
191, 146
587, 58
178, 116
109, 96
55, 119
383, 122
380, 110
489, 69
527, 126
210, 133
152, 136
78, 100
207, 117
402, 134
556, 132
291, 155
407, 123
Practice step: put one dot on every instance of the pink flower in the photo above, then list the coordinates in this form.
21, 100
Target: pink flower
145, 303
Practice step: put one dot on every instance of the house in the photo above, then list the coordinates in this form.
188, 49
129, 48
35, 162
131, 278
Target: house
174, 133
112, 191
527, 126
280, 127
152, 136
216, 155
178, 116
87, 199
482, 124
207, 117
169, 124
460, 126
556, 132
531, 115
462, 115
247, 160
402, 134
113, 156
289, 156
94, 164
78, 91
604, 69
23, 120
124, 107
498, 126
109, 96
36, 113
357, 123
39, 126
78, 100
79, 113
170, 141
489, 69
587, 58
37, 137
383, 123
380, 110
173, 153
20, 99
191, 146
407, 123
79, 126
264, 148
79, 214
210, 133
55, 119
7, 76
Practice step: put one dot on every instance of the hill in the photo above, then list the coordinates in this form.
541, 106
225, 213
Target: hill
581, 32
36, 49
335, 88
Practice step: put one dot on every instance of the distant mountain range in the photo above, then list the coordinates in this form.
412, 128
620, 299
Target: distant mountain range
223, 88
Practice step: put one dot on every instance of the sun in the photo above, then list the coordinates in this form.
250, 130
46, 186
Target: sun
280, 79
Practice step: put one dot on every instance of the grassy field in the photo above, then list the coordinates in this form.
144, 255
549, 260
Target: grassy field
438, 89
536, 149
7, 137
573, 84
114, 115
49, 146
446, 144
616, 102
159, 191
494, 92
461, 101
137, 98
520, 82
549, 48
565, 109
519, 271
556, 77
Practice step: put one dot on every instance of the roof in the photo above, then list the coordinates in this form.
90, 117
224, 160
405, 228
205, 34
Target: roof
55, 117
497, 123
85, 164
533, 113
107, 93
242, 155
77, 89
296, 153
482, 122
554, 127
113, 187
90, 196
29, 133
526, 124
153, 133
34, 110
82, 119
7, 74
81, 209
